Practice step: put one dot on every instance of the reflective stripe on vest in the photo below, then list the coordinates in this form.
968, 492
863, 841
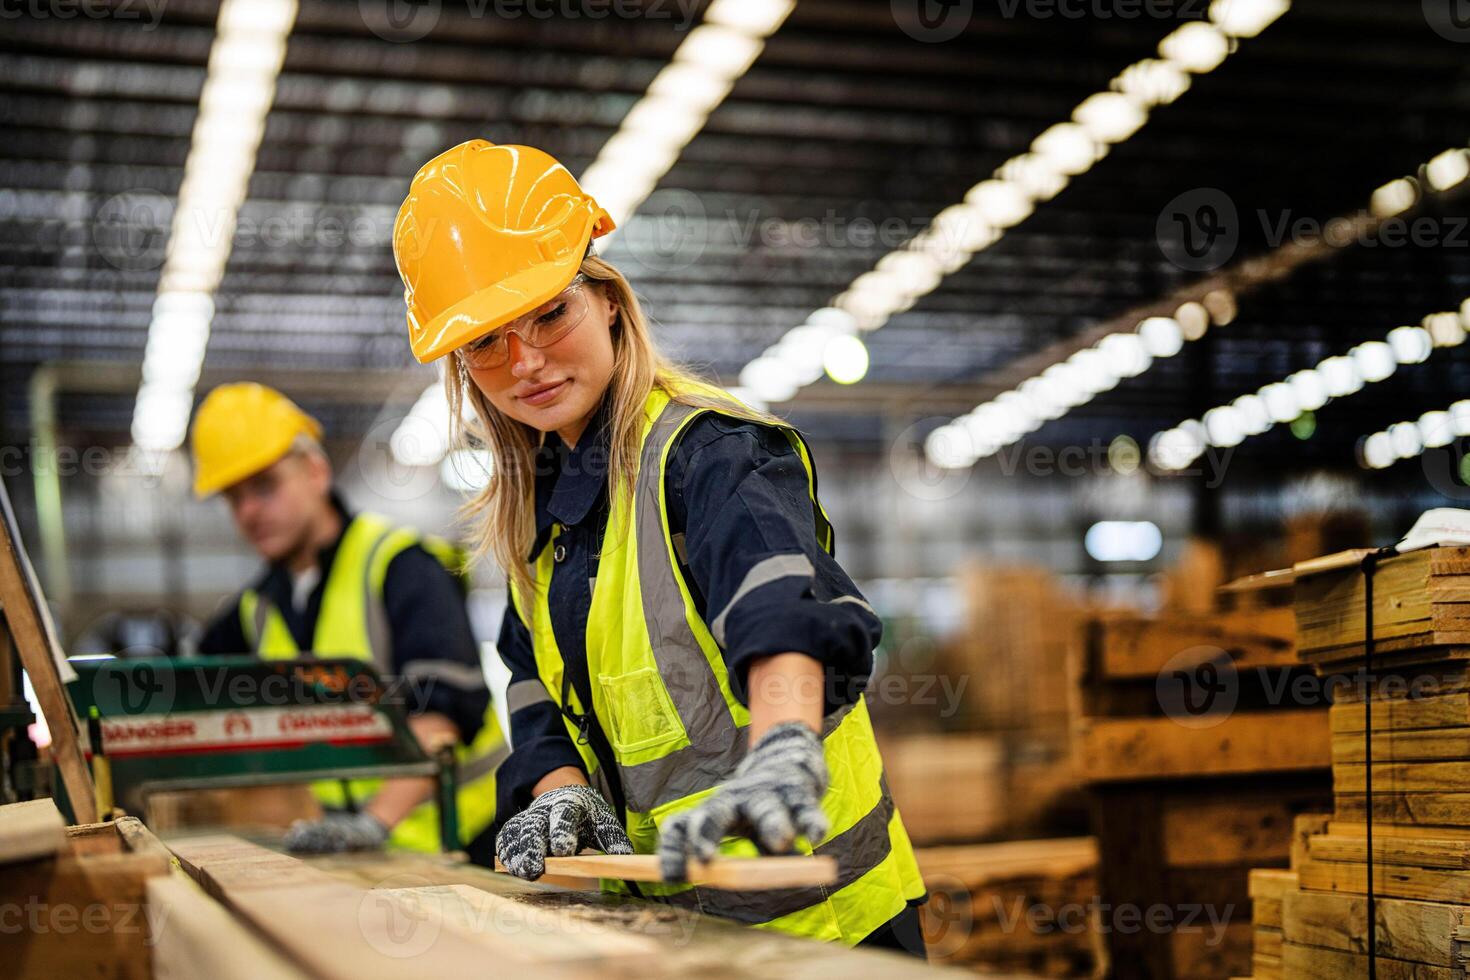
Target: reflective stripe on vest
662, 696
353, 622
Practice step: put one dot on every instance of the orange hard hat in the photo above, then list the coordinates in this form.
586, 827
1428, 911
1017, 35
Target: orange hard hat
488, 233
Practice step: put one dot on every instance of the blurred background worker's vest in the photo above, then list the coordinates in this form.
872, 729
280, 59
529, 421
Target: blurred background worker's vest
661, 694
354, 623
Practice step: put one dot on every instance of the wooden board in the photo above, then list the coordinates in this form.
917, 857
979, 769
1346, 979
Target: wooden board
1416, 809
34, 637
1409, 745
1423, 932
693, 945
1412, 597
332, 929
30, 830
1141, 647
90, 901
1246, 742
1203, 831
199, 938
1402, 777
1313, 963
1441, 711
541, 935
1420, 852
740, 874
1389, 881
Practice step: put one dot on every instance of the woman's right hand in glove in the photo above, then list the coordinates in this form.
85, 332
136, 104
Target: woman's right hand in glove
560, 823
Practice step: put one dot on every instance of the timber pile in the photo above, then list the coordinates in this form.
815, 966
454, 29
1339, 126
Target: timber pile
1178, 734
353, 917
1002, 768
1022, 906
74, 897
1418, 691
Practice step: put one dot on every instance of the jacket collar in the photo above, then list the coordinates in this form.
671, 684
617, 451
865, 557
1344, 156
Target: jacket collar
570, 482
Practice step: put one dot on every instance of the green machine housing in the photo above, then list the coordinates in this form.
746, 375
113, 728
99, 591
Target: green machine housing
212, 722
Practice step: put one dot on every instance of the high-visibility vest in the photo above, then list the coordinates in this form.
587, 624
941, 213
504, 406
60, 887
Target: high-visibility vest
661, 694
353, 622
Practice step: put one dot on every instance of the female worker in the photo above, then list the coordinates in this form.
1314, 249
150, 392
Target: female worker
687, 658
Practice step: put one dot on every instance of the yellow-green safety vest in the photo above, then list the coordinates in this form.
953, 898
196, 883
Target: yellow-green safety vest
662, 696
353, 622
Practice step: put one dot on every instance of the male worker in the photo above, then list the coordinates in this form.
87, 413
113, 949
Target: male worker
343, 585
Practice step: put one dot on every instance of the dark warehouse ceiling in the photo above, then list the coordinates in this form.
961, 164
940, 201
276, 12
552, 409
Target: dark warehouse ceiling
843, 117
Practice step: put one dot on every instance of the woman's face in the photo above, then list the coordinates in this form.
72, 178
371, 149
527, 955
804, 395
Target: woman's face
555, 388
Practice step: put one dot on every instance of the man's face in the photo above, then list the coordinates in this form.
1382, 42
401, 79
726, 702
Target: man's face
274, 509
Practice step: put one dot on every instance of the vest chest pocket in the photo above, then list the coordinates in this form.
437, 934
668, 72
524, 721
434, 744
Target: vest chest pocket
642, 716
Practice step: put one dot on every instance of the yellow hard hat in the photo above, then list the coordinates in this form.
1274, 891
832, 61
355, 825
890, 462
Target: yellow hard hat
488, 233
239, 430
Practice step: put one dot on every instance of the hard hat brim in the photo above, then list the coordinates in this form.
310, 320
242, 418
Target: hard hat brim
481, 312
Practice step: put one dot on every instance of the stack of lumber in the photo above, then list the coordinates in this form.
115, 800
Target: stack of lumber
1178, 734
969, 787
75, 897
1418, 692
399, 915
1023, 906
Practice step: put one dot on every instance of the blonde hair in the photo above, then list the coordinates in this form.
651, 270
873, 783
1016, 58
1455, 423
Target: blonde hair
503, 515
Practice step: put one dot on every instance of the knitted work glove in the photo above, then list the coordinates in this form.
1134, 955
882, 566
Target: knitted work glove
559, 823
335, 832
774, 795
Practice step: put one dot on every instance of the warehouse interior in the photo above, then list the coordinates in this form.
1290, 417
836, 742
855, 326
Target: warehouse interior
1126, 338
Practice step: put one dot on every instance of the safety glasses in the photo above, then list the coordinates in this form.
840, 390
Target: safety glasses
540, 328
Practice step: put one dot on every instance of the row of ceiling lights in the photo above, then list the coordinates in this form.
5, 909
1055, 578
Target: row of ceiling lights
1285, 400
244, 62
1077, 380
828, 341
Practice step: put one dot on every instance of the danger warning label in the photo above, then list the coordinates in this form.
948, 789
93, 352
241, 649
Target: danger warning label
236, 731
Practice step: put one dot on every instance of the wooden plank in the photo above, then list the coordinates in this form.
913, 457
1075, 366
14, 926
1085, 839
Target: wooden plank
1245, 742
199, 938
1413, 745
1347, 828
540, 935
1200, 832
740, 874
1416, 809
34, 637
977, 866
1208, 952
1402, 777
1265, 967
1313, 963
1267, 941
30, 830
1441, 711
1421, 852
331, 928
1143, 647
1389, 881
1271, 882
1303, 828
693, 945
1422, 932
